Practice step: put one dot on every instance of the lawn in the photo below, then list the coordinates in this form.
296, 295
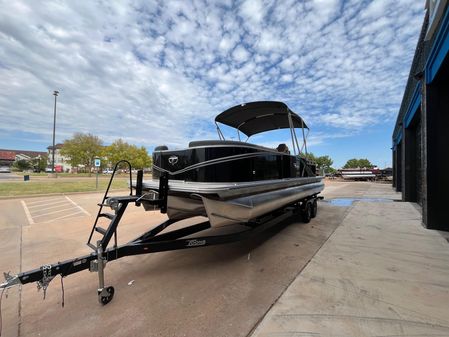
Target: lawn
23, 188
69, 175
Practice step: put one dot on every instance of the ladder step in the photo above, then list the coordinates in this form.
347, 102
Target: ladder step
107, 215
100, 230
92, 246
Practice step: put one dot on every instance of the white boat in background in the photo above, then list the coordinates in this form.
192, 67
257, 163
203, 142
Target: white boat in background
358, 173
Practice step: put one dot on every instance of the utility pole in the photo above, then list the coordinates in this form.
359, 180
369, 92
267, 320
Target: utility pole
55, 93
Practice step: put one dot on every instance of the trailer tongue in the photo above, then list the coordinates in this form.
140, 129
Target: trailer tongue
152, 241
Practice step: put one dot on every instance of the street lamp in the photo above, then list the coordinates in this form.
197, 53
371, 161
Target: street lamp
55, 93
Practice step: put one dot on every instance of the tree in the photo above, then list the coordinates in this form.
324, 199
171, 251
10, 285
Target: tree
140, 158
82, 149
121, 150
310, 156
40, 163
358, 163
323, 162
22, 165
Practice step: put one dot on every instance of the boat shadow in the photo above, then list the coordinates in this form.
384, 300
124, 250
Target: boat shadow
223, 254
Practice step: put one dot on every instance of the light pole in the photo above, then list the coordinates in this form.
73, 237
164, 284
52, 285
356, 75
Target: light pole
55, 93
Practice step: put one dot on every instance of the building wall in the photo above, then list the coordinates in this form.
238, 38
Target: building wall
59, 160
420, 139
437, 99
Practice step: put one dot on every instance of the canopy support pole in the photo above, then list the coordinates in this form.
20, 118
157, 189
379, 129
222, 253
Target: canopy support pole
220, 134
304, 137
297, 143
292, 131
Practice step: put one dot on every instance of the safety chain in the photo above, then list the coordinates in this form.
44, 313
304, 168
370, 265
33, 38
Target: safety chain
46, 279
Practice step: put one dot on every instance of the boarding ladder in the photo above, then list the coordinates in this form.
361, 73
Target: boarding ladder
119, 205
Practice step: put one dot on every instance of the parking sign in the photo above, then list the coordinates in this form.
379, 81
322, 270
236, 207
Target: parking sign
97, 162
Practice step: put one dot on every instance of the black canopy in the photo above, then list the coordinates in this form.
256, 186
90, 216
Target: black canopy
255, 117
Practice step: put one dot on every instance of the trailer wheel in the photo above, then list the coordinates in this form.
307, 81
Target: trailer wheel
306, 212
314, 208
105, 296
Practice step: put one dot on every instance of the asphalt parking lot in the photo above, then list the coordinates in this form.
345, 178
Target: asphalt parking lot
50, 209
211, 291
9, 176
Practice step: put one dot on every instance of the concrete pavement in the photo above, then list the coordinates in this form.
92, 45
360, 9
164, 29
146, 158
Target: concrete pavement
6, 177
380, 274
210, 291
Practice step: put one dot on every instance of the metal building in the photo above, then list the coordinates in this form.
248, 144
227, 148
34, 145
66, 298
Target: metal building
421, 136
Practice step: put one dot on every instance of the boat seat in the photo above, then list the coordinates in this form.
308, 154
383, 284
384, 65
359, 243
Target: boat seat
283, 148
161, 148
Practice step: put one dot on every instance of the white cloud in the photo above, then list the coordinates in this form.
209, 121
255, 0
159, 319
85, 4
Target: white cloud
240, 54
158, 72
253, 11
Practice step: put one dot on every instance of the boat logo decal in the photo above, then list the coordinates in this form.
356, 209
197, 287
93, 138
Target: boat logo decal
173, 160
194, 243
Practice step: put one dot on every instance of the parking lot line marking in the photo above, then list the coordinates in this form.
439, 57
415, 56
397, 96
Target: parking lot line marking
42, 201
50, 207
27, 212
79, 207
59, 210
65, 216
49, 203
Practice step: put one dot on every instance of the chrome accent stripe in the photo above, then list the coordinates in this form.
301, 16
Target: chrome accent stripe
227, 190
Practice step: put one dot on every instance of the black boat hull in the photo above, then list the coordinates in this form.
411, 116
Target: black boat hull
229, 163
231, 182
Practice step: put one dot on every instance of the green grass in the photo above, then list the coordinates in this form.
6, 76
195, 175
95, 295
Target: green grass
60, 174
31, 187
69, 175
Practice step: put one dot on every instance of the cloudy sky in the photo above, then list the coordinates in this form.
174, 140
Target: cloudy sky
157, 72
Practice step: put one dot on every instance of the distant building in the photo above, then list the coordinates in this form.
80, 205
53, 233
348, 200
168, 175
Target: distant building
420, 136
62, 163
8, 157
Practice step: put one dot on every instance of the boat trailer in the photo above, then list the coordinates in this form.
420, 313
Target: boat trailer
150, 242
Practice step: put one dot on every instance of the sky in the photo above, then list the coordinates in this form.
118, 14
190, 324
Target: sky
158, 72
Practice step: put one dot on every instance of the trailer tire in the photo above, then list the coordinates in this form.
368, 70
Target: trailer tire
306, 212
314, 208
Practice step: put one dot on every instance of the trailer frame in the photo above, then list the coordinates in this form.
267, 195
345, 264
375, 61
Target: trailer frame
152, 241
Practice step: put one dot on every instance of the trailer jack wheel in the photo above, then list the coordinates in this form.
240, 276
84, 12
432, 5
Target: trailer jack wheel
105, 295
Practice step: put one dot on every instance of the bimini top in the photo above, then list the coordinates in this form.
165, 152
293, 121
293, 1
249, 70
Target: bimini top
255, 117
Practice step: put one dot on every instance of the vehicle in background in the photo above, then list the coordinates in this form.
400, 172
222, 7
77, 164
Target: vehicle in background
5, 169
107, 171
